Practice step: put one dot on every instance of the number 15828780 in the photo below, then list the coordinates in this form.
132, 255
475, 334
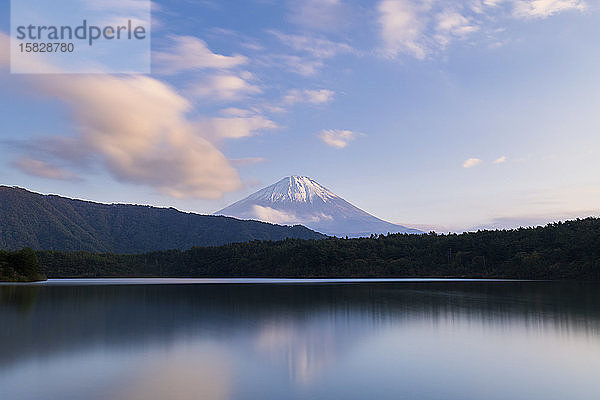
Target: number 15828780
56, 47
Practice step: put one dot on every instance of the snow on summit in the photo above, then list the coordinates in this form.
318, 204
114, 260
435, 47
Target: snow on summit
301, 200
299, 189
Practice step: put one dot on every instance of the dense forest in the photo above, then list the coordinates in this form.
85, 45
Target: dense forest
19, 266
566, 250
57, 223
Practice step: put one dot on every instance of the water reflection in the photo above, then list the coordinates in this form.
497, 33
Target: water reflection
431, 340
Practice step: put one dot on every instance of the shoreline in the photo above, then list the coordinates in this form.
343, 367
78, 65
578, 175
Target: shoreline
290, 281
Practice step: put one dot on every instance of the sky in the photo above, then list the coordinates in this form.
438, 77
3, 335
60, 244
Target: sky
445, 115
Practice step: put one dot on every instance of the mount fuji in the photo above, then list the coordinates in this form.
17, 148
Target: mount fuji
301, 200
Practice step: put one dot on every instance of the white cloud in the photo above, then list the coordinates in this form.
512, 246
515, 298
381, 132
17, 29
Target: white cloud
317, 47
320, 96
268, 214
500, 160
452, 24
472, 162
422, 28
137, 129
312, 50
297, 96
301, 65
234, 127
190, 53
493, 3
545, 8
402, 27
337, 138
224, 87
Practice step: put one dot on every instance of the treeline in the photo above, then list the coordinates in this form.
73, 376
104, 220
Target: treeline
19, 266
566, 250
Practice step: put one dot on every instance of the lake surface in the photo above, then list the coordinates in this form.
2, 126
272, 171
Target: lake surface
269, 339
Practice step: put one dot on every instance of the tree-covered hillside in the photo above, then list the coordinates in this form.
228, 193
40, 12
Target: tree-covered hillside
569, 250
42, 222
19, 266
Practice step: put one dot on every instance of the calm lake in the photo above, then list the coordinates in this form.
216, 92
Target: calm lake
269, 339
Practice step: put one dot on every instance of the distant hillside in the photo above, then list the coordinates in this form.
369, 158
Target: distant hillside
51, 222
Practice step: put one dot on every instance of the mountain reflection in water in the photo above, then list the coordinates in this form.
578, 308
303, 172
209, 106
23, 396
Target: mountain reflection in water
446, 340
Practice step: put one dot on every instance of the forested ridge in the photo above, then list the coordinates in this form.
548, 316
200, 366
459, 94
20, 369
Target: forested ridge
565, 250
48, 222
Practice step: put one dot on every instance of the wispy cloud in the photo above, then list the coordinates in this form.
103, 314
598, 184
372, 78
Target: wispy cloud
319, 96
451, 24
234, 127
224, 87
191, 53
317, 47
421, 28
43, 169
545, 8
472, 162
402, 26
137, 129
337, 138
293, 97
300, 65
309, 52
500, 160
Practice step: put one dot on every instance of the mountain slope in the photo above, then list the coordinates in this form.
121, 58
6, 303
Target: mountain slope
301, 200
59, 223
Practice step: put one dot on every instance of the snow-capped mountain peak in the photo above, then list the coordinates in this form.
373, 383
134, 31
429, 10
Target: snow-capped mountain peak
294, 189
302, 200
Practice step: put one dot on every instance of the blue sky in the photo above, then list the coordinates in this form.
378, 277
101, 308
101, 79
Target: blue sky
446, 114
